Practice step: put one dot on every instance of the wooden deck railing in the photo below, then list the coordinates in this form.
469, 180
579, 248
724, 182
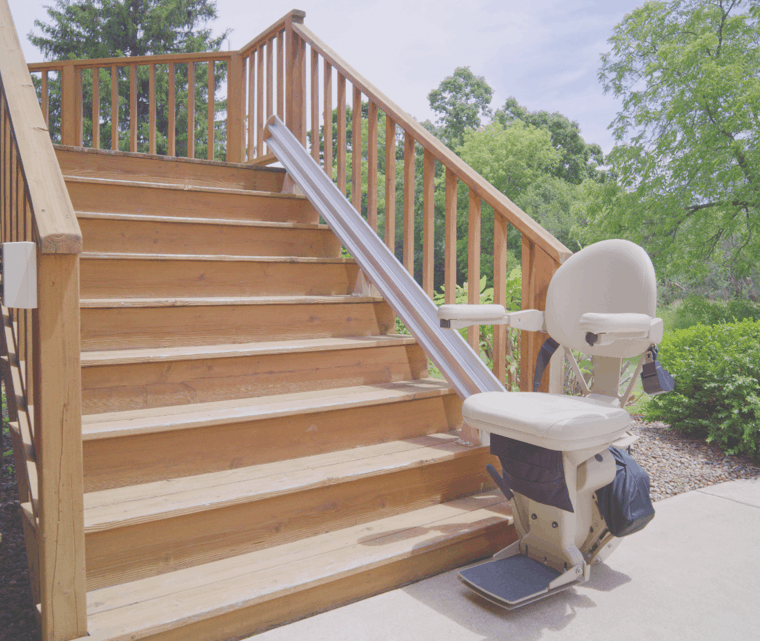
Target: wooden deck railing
288, 71
39, 350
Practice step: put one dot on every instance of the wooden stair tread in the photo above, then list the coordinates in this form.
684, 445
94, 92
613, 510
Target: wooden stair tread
234, 350
199, 221
179, 417
177, 187
147, 606
107, 509
98, 303
219, 258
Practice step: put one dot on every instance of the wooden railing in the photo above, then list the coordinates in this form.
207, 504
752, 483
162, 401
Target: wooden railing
288, 71
541, 252
39, 350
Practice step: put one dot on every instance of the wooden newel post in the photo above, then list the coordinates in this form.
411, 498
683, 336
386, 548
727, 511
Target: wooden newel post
236, 109
537, 271
69, 106
58, 426
295, 68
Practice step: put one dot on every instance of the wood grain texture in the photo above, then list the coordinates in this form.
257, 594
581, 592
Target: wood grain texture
174, 235
409, 187
428, 223
404, 548
188, 201
87, 163
390, 183
450, 242
131, 386
114, 277
305, 505
245, 434
124, 328
473, 264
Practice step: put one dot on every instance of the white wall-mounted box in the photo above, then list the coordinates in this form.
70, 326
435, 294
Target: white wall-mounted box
20, 275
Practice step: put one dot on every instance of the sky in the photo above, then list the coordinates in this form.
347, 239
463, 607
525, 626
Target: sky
545, 53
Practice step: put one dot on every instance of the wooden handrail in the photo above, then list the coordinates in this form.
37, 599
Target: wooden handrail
501, 204
123, 61
294, 16
57, 227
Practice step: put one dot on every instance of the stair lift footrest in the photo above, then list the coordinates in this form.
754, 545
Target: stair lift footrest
512, 582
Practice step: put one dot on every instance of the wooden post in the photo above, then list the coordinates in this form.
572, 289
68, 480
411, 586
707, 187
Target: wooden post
473, 265
235, 109
499, 294
390, 183
408, 231
58, 429
428, 221
450, 254
68, 105
537, 270
294, 79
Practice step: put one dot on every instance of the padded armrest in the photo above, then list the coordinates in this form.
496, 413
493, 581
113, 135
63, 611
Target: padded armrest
483, 314
621, 326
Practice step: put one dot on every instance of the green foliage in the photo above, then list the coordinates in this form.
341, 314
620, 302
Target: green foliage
717, 395
578, 159
696, 310
688, 134
460, 101
85, 29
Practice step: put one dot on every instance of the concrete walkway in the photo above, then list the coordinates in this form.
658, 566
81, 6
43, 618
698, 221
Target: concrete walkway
692, 574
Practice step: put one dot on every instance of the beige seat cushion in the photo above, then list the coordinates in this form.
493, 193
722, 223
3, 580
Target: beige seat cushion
553, 421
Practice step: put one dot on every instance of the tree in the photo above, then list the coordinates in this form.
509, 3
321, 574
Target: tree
460, 101
578, 160
86, 29
688, 133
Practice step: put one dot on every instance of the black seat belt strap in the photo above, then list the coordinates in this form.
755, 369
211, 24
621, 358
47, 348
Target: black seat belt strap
544, 356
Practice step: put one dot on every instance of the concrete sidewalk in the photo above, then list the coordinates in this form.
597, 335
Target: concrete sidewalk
692, 574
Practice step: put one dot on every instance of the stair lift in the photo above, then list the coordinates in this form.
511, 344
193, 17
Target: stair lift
558, 452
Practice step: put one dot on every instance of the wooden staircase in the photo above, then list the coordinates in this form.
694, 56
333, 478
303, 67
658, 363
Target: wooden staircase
259, 445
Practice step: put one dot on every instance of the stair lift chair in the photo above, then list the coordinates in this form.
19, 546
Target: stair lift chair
555, 449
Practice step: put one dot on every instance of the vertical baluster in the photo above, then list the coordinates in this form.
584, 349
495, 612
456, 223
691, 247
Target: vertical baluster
390, 183
499, 293
301, 94
409, 203
96, 107
211, 110
270, 78
190, 110
251, 103
172, 109
450, 252
114, 107
80, 107
235, 143
260, 101
132, 107
45, 98
281, 75
151, 109
428, 222
356, 151
68, 104
315, 105
327, 127
341, 135
473, 265
372, 166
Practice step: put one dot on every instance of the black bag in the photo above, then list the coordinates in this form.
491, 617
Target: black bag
625, 503
533, 471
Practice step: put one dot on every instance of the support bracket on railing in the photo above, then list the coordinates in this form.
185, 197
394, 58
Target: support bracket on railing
461, 366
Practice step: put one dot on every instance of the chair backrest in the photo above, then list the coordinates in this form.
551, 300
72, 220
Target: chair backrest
609, 277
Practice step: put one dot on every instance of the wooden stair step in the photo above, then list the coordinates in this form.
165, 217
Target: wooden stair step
251, 592
171, 322
141, 446
135, 197
143, 530
132, 275
142, 234
119, 165
178, 376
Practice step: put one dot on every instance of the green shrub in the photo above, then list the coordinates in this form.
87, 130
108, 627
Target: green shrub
695, 310
717, 394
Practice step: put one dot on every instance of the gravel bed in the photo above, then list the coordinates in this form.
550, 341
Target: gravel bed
675, 464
